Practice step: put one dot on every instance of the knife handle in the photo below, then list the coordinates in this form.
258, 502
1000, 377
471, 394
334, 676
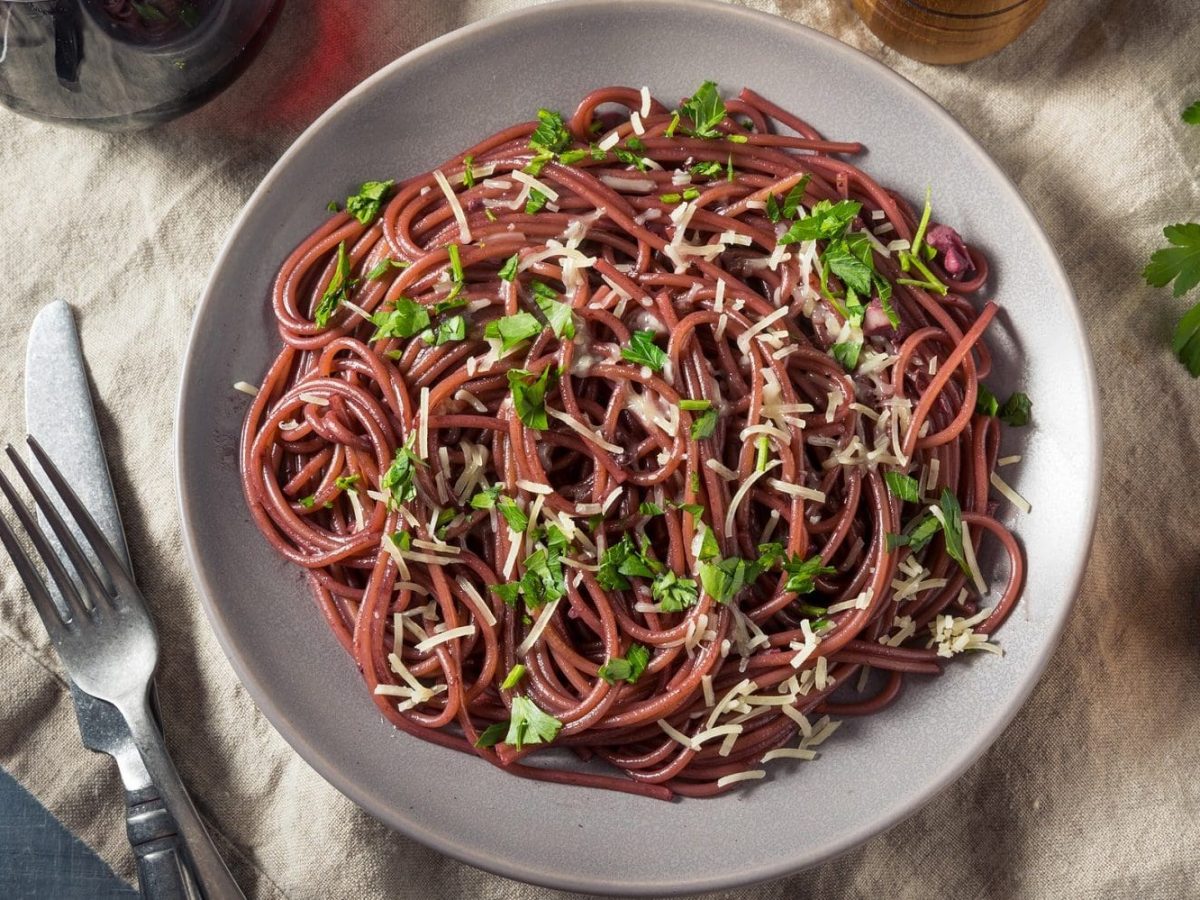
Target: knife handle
162, 872
211, 874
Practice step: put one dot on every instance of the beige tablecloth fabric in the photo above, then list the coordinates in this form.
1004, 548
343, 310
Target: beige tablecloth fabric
1092, 792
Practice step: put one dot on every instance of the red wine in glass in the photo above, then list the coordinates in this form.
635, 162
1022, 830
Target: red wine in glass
124, 64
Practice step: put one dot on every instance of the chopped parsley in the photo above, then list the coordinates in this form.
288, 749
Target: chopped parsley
468, 175
986, 403
535, 203
446, 331
529, 725
551, 135
513, 330
912, 257
723, 579
558, 314
630, 158
529, 394
916, 536
903, 486
338, 289
308, 502
407, 319
709, 169
704, 424
573, 156
508, 271
762, 453
952, 528
492, 735
803, 574
827, 221
346, 482
672, 593
513, 514
622, 561
513, 678
380, 269
643, 351
646, 508
1016, 410
365, 205
705, 109
847, 353
628, 668
333, 206
399, 479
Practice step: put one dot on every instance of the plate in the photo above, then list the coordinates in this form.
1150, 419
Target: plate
420, 110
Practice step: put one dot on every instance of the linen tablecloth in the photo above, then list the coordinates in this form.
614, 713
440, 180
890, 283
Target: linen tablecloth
1091, 792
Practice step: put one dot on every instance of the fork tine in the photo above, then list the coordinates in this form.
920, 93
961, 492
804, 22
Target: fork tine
28, 571
121, 576
91, 583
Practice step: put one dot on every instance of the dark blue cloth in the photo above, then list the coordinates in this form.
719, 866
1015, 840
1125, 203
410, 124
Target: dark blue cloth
41, 860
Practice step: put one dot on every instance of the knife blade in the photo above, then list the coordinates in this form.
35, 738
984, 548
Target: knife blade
59, 413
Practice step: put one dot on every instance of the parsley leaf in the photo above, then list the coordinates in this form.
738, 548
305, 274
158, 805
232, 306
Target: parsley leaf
447, 331
1016, 410
535, 203
529, 394
704, 424
1186, 342
529, 725
826, 221
513, 514
573, 156
795, 196
486, 498
338, 289
916, 537
383, 265
903, 486
725, 578
558, 314
551, 135
492, 735
508, 271
986, 403
643, 351
398, 480
630, 158
673, 593
543, 580
1191, 115
468, 175
408, 318
346, 482
628, 668
513, 330
365, 205
804, 574
513, 678
952, 528
622, 561
847, 354
709, 169
1180, 262
705, 109
646, 508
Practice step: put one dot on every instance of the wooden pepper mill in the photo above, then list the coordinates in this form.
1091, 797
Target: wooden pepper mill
948, 31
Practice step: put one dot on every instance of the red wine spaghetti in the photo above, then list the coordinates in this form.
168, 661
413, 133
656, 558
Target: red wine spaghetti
637, 434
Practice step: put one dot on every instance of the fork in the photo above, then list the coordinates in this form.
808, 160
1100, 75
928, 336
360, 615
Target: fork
107, 643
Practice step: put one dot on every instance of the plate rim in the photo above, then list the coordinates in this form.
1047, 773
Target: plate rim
411, 826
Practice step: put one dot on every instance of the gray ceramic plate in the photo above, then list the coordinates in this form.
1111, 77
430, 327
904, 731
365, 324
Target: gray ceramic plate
419, 111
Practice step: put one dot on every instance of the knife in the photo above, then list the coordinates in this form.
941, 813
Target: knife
58, 409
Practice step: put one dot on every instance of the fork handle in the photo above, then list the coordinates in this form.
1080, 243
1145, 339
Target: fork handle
212, 876
153, 834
